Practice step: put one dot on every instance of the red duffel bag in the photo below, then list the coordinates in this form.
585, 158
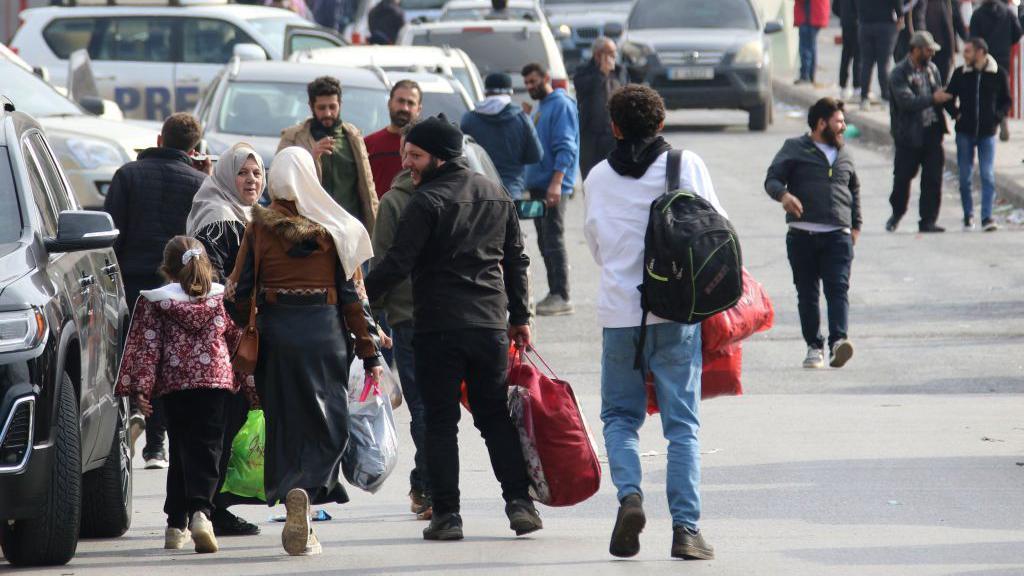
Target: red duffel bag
559, 449
753, 313
720, 376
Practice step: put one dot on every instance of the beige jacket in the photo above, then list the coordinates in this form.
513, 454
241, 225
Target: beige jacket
299, 135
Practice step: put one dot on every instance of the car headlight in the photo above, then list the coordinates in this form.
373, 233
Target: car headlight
563, 31
635, 54
21, 330
90, 153
750, 53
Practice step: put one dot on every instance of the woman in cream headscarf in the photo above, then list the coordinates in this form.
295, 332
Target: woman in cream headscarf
308, 250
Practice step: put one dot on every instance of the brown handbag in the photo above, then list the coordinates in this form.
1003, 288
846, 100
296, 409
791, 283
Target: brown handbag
248, 350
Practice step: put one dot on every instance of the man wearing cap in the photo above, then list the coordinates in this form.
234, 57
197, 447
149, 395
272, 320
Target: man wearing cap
505, 132
459, 238
917, 128
595, 81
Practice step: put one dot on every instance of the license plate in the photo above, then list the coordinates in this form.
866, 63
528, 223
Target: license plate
691, 73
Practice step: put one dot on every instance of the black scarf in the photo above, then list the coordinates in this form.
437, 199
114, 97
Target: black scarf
633, 157
319, 131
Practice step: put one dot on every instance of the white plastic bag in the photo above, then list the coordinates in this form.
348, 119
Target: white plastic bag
372, 450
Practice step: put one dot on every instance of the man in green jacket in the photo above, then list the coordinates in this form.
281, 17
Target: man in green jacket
397, 305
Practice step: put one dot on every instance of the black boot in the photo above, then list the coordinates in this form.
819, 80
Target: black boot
523, 517
628, 525
444, 527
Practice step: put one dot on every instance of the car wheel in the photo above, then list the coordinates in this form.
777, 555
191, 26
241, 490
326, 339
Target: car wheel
759, 116
52, 537
107, 513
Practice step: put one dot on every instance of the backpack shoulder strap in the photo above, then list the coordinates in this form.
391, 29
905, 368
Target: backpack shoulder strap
673, 169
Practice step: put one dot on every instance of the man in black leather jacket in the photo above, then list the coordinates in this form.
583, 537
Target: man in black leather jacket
595, 81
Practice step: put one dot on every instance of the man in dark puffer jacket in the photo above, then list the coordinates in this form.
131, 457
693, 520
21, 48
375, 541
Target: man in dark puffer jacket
149, 200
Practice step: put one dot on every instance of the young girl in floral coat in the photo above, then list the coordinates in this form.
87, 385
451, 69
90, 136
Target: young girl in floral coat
178, 348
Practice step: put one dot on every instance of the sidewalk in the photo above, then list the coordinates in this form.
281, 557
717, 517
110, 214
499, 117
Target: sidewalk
874, 124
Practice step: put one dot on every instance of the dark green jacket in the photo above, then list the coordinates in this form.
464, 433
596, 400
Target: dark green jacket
397, 303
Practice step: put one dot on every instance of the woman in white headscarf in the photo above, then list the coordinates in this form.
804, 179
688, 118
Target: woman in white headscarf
307, 249
221, 210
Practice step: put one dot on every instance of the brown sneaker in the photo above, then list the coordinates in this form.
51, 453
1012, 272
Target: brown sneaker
419, 502
629, 524
690, 545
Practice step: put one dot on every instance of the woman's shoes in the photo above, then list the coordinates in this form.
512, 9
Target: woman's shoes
297, 537
175, 539
202, 534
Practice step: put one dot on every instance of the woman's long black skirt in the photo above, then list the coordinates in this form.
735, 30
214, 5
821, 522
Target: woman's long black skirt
302, 377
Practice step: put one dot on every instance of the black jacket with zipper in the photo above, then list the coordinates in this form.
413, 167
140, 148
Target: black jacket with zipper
459, 238
981, 99
999, 26
830, 194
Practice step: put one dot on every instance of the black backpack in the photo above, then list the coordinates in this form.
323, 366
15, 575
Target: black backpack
693, 267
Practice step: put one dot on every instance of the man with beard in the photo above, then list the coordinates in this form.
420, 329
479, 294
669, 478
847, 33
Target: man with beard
384, 145
338, 150
459, 238
814, 178
917, 127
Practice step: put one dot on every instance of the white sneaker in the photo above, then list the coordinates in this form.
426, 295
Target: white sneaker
846, 94
175, 539
297, 536
815, 358
842, 351
865, 104
202, 534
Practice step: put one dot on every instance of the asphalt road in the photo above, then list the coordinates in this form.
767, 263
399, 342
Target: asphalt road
908, 461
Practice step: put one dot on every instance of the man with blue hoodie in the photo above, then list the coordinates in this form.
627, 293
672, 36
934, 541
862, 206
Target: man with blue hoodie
505, 132
552, 180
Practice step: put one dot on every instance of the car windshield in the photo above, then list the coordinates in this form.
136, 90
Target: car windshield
480, 13
491, 50
32, 94
423, 4
10, 214
272, 29
692, 14
451, 105
266, 108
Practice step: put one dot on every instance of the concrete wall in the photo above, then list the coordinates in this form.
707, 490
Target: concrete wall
783, 44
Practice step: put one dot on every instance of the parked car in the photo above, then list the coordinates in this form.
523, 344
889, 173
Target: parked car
443, 60
481, 9
576, 24
700, 54
254, 101
155, 60
89, 148
496, 46
65, 464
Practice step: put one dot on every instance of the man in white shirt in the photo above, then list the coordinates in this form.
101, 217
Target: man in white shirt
814, 178
620, 191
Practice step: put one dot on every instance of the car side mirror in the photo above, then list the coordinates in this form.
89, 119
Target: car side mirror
93, 105
773, 27
613, 30
79, 230
249, 52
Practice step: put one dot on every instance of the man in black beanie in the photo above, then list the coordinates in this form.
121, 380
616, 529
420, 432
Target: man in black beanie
459, 239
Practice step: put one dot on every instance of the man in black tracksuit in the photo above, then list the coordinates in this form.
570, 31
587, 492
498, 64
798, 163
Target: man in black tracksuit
917, 127
877, 23
814, 178
459, 238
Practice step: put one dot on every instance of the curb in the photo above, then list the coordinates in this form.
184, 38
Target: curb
874, 132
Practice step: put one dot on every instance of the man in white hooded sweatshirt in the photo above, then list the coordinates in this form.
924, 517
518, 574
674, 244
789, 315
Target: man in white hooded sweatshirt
620, 191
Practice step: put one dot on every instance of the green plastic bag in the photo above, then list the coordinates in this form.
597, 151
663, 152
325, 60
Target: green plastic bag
245, 468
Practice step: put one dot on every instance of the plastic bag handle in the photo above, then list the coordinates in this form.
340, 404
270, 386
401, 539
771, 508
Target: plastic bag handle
369, 384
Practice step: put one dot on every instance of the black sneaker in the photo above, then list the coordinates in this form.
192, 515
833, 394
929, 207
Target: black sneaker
930, 229
444, 527
628, 525
690, 545
892, 224
227, 524
989, 225
155, 459
523, 517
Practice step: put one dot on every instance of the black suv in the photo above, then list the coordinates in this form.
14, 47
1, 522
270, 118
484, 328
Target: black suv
65, 465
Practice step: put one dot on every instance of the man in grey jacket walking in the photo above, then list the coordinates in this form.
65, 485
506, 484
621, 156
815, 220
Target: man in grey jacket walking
814, 178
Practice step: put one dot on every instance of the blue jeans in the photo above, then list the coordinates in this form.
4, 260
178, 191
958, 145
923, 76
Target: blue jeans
965, 145
808, 51
672, 353
402, 335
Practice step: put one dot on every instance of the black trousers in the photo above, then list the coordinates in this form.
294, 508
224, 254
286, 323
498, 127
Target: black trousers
930, 159
551, 241
850, 57
876, 40
156, 427
821, 260
195, 425
480, 358
236, 411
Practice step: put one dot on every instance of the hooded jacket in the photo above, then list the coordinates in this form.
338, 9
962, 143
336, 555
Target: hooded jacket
999, 26
177, 343
558, 127
509, 138
397, 302
830, 193
981, 98
459, 237
149, 200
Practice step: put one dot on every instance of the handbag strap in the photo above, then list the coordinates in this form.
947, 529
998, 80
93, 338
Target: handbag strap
533, 349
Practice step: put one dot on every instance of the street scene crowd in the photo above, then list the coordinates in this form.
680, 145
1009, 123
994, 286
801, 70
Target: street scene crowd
382, 265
